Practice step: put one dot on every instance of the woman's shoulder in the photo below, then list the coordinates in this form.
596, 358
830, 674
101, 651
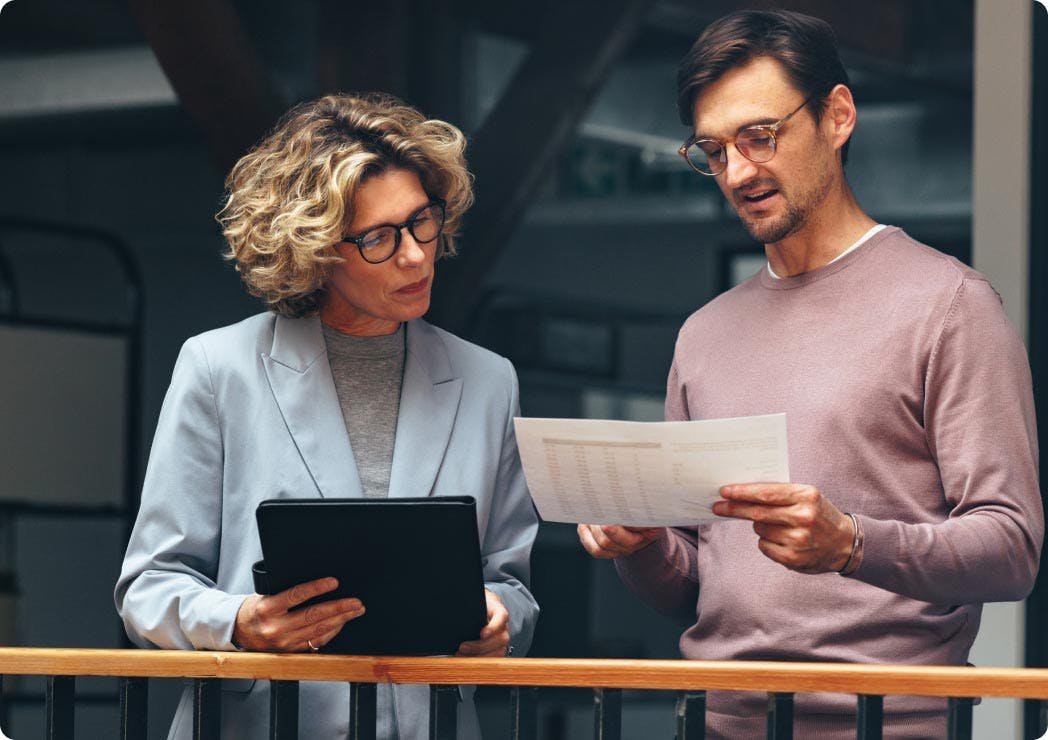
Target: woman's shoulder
246, 338
464, 357
257, 326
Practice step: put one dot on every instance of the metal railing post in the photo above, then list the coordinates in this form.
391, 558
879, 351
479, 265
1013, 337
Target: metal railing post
60, 708
607, 714
524, 713
363, 699
691, 715
283, 710
959, 718
134, 708
207, 709
443, 711
780, 716
870, 722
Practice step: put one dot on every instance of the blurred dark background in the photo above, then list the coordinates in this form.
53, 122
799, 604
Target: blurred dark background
589, 244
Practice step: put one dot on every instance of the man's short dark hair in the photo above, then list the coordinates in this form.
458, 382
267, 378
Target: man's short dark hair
805, 46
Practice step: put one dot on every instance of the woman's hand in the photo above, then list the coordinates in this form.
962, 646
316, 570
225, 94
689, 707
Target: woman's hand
267, 623
494, 636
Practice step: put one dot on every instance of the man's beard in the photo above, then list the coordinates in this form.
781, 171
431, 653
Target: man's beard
797, 209
772, 230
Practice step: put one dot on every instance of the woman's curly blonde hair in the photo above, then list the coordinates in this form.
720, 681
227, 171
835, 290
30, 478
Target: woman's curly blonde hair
291, 196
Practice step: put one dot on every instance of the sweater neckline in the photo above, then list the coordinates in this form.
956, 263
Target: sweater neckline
831, 268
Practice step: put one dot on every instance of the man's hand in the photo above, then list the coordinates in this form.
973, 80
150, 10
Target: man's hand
797, 526
268, 623
494, 636
612, 541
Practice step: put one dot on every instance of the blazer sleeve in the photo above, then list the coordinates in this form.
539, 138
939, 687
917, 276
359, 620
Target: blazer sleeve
166, 594
510, 532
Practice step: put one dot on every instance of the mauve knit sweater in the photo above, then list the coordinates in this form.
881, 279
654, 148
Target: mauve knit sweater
908, 403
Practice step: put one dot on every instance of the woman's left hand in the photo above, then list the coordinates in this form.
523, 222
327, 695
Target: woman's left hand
494, 637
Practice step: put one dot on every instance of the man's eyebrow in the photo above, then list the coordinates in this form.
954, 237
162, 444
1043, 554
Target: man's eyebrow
765, 121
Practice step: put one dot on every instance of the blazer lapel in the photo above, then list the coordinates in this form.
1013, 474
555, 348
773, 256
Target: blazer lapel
300, 377
429, 400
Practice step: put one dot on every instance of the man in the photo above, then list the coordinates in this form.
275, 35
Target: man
907, 397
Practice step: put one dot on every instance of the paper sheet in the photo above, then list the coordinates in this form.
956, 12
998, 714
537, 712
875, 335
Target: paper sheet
645, 473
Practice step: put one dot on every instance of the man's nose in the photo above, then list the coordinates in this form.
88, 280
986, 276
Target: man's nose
739, 170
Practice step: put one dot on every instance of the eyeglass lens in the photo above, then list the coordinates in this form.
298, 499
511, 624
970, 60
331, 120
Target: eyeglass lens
380, 243
710, 156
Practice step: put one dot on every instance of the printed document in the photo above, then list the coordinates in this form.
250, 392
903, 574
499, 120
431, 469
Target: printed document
646, 473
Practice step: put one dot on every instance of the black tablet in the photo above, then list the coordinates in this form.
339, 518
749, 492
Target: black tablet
414, 562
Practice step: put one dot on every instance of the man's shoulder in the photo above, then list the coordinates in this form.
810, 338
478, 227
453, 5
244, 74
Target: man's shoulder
901, 253
910, 268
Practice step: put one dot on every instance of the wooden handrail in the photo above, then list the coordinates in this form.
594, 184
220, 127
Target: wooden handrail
848, 678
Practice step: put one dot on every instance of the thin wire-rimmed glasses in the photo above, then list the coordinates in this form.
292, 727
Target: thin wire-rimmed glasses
756, 143
379, 243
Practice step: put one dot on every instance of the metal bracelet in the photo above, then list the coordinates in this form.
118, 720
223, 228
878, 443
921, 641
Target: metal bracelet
855, 546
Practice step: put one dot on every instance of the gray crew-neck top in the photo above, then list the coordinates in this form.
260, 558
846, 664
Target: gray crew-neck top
368, 373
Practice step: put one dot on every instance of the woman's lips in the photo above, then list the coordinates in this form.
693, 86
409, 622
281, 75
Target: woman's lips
414, 287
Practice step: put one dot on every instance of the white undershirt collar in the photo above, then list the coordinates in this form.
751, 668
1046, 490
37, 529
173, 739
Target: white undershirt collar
862, 239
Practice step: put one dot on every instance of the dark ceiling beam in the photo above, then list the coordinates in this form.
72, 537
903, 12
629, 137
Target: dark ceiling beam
533, 122
409, 48
215, 70
435, 68
882, 29
364, 46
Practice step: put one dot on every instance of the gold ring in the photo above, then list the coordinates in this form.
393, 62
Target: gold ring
312, 647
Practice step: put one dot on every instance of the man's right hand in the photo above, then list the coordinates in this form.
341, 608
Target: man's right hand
613, 541
268, 623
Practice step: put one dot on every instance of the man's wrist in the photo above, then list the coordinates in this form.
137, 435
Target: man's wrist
852, 563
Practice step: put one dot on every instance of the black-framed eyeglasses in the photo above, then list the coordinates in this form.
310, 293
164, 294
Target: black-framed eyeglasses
379, 243
756, 143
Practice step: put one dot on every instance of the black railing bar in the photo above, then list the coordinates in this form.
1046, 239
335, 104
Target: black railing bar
134, 296
959, 718
30, 508
134, 708
501, 299
691, 715
443, 711
3, 704
780, 715
93, 698
10, 284
283, 710
52, 323
524, 713
60, 710
207, 709
870, 720
363, 700
113, 244
607, 714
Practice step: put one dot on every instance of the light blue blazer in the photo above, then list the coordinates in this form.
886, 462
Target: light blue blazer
251, 414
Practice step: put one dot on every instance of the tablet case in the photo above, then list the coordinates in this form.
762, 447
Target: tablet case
414, 563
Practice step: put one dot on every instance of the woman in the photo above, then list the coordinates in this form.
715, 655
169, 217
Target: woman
335, 220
